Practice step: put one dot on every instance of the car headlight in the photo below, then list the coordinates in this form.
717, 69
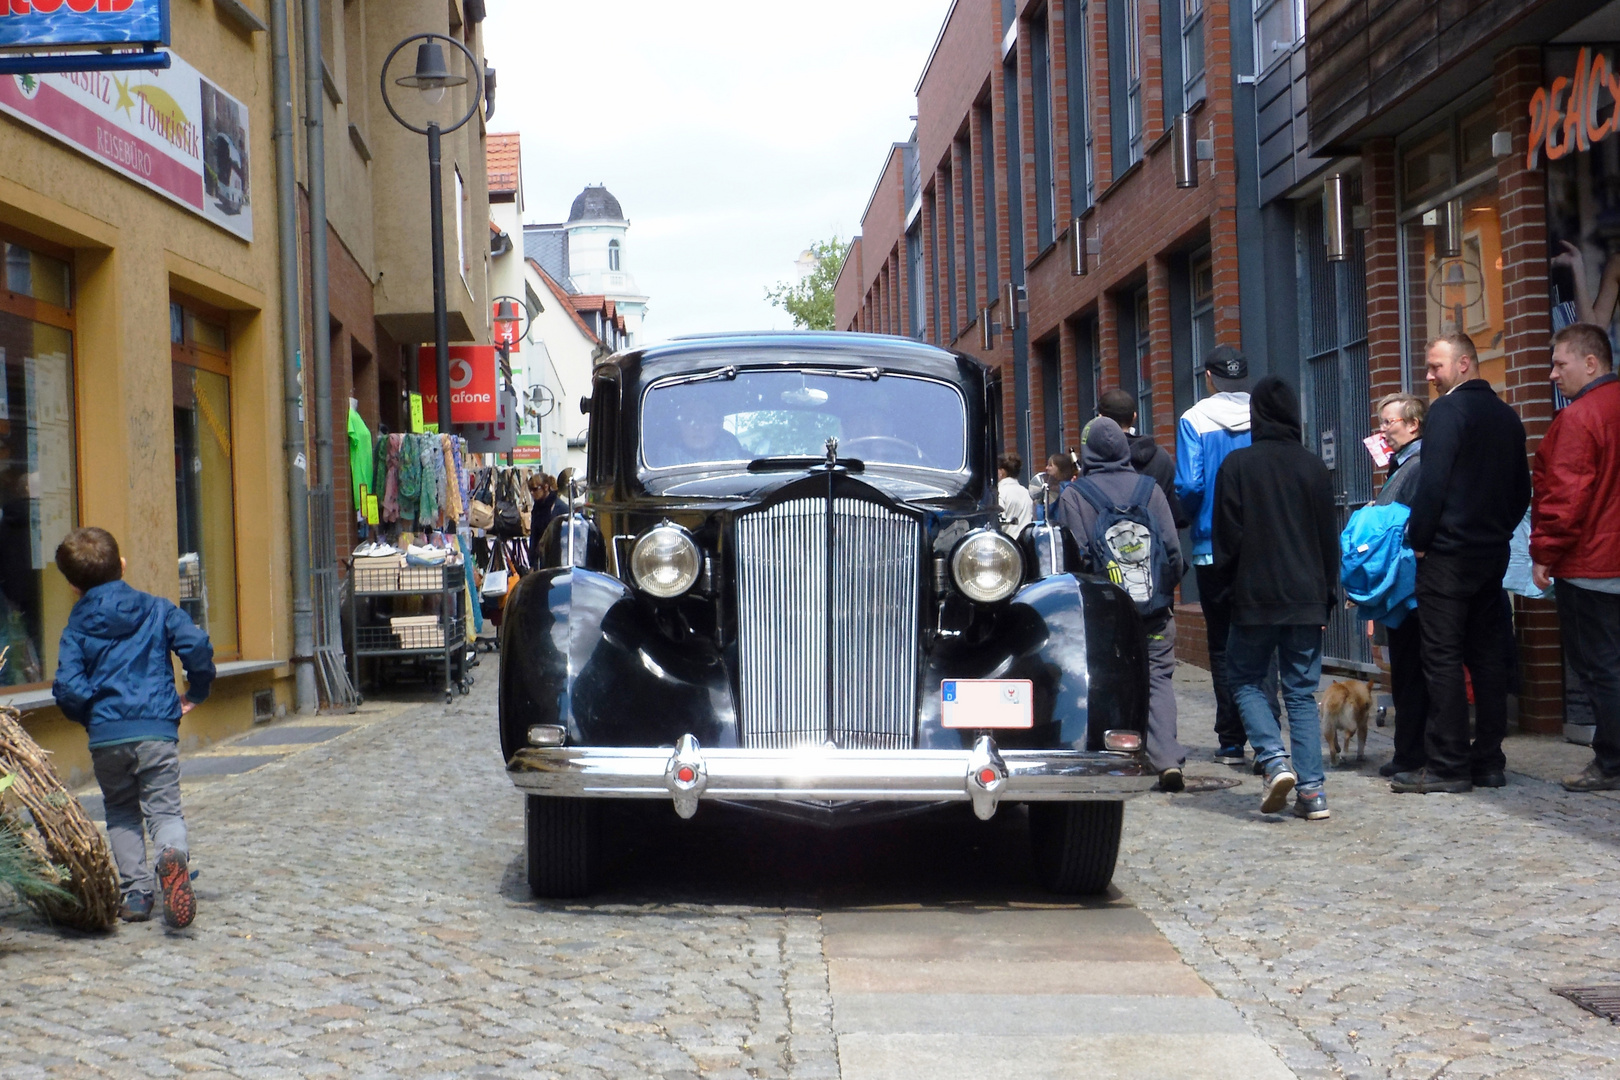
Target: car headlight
665, 561
987, 566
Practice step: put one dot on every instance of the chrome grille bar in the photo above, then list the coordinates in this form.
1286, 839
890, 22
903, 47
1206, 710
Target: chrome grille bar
790, 599
874, 626
781, 624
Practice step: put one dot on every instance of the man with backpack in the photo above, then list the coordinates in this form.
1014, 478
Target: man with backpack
1147, 456
1276, 541
1121, 521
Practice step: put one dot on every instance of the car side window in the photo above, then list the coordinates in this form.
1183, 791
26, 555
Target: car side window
602, 431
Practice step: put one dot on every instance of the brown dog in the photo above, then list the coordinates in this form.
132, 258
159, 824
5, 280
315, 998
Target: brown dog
1346, 708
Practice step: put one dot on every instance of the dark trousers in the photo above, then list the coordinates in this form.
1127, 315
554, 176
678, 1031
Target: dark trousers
1465, 623
1217, 630
1410, 691
1590, 624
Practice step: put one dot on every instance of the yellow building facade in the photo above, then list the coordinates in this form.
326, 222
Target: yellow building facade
140, 326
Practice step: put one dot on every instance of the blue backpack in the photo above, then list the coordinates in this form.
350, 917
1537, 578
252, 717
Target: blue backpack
1126, 545
1377, 569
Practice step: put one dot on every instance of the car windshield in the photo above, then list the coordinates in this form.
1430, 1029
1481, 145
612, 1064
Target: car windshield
741, 416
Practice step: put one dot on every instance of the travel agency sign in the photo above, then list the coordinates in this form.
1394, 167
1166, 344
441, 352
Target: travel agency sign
171, 130
75, 24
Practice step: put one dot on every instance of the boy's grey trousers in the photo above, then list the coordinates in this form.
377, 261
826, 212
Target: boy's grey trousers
140, 785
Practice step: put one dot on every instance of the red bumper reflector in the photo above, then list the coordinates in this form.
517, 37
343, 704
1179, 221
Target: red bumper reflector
987, 776
1123, 741
686, 774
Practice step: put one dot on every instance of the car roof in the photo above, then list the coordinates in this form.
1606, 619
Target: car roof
820, 347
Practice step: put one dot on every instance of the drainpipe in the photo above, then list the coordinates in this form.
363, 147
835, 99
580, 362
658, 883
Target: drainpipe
320, 312
303, 658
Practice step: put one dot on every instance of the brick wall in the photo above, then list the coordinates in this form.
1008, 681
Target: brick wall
1522, 202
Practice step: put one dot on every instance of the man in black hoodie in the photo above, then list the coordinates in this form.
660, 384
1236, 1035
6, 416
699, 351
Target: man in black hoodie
1106, 459
1147, 456
1276, 539
1472, 493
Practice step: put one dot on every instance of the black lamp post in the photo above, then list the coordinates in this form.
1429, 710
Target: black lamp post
432, 78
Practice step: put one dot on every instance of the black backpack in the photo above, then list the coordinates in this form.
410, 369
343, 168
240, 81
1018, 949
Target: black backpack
508, 520
1126, 545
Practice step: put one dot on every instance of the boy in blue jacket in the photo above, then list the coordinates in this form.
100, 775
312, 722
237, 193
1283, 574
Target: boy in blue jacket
113, 676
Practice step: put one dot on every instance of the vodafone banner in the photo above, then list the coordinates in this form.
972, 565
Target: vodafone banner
170, 130
472, 384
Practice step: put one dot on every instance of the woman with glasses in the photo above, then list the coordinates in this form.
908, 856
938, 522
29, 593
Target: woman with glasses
1401, 422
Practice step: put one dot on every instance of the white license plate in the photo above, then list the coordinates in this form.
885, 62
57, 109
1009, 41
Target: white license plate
987, 703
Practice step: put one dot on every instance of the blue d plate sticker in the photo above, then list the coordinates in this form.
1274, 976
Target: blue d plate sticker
987, 703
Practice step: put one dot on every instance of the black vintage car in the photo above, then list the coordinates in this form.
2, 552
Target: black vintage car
784, 586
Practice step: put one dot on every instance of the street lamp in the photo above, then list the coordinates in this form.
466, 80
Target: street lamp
431, 79
510, 316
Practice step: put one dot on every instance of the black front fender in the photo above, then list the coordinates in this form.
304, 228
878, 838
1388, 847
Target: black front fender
578, 649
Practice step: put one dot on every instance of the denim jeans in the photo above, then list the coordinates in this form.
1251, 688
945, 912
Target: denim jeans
1299, 669
140, 788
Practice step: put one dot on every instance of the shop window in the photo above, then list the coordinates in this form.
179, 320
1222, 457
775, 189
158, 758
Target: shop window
38, 468
1202, 273
1426, 167
205, 496
1583, 207
1456, 291
1144, 371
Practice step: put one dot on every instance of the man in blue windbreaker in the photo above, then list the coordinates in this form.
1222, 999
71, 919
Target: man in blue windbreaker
1209, 431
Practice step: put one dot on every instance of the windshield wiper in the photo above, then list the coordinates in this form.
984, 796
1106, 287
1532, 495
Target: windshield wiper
788, 463
870, 374
728, 373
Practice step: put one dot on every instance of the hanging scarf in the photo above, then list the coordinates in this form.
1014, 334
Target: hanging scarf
390, 498
427, 483
463, 490
410, 476
454, 508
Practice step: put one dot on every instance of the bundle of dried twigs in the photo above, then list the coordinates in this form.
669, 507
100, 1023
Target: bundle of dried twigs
59, 834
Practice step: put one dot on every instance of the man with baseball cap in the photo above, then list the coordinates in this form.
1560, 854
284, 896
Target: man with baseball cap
1210, 430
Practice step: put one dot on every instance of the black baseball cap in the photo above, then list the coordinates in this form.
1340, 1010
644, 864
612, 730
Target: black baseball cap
1225, 362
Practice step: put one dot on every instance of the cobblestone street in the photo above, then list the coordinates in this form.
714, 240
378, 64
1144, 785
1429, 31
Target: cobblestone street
363, 913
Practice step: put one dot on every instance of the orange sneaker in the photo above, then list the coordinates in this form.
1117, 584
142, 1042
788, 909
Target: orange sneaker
174, 882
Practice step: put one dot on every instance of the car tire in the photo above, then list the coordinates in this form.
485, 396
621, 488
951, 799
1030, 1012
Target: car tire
1076, 844
561, 846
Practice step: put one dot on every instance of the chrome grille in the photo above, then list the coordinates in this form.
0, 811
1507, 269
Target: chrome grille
786, 591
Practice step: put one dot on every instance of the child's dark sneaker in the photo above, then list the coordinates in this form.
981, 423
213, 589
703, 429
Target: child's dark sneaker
174, 881
137, 907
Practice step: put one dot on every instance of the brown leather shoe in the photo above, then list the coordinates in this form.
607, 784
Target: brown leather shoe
1592, 778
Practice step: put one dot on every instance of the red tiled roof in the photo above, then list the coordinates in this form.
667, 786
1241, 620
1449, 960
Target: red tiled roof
501, 161
565, 300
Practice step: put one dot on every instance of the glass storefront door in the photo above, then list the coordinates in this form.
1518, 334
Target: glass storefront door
205, 510
38, 469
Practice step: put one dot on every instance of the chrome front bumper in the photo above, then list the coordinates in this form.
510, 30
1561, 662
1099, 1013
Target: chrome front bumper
984, 775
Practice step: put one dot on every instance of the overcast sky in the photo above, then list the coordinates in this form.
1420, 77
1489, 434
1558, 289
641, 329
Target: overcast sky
733, 133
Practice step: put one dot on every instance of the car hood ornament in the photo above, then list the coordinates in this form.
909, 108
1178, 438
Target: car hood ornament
832, 452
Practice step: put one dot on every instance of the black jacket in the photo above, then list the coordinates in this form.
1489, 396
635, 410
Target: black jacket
1276, 531
1475, 484
1149, 459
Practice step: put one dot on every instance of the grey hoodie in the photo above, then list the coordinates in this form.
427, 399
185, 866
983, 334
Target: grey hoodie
1105, 459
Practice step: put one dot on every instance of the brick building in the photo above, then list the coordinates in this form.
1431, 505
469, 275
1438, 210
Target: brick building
1326, 152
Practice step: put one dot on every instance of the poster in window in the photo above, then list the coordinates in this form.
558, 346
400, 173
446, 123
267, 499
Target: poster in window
1583, 193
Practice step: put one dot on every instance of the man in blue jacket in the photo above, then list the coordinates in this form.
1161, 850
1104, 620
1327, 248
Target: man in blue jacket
113, 676
1209, 431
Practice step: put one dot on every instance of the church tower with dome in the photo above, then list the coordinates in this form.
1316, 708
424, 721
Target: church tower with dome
598, 255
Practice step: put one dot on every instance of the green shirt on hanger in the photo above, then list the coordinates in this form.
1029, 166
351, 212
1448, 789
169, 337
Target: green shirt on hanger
361, 472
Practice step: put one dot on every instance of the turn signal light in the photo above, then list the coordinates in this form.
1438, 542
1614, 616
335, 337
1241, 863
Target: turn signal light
1126, 742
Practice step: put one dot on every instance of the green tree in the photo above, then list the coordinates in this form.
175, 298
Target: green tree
810, 300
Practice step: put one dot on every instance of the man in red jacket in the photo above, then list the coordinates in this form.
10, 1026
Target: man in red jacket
1575, 532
